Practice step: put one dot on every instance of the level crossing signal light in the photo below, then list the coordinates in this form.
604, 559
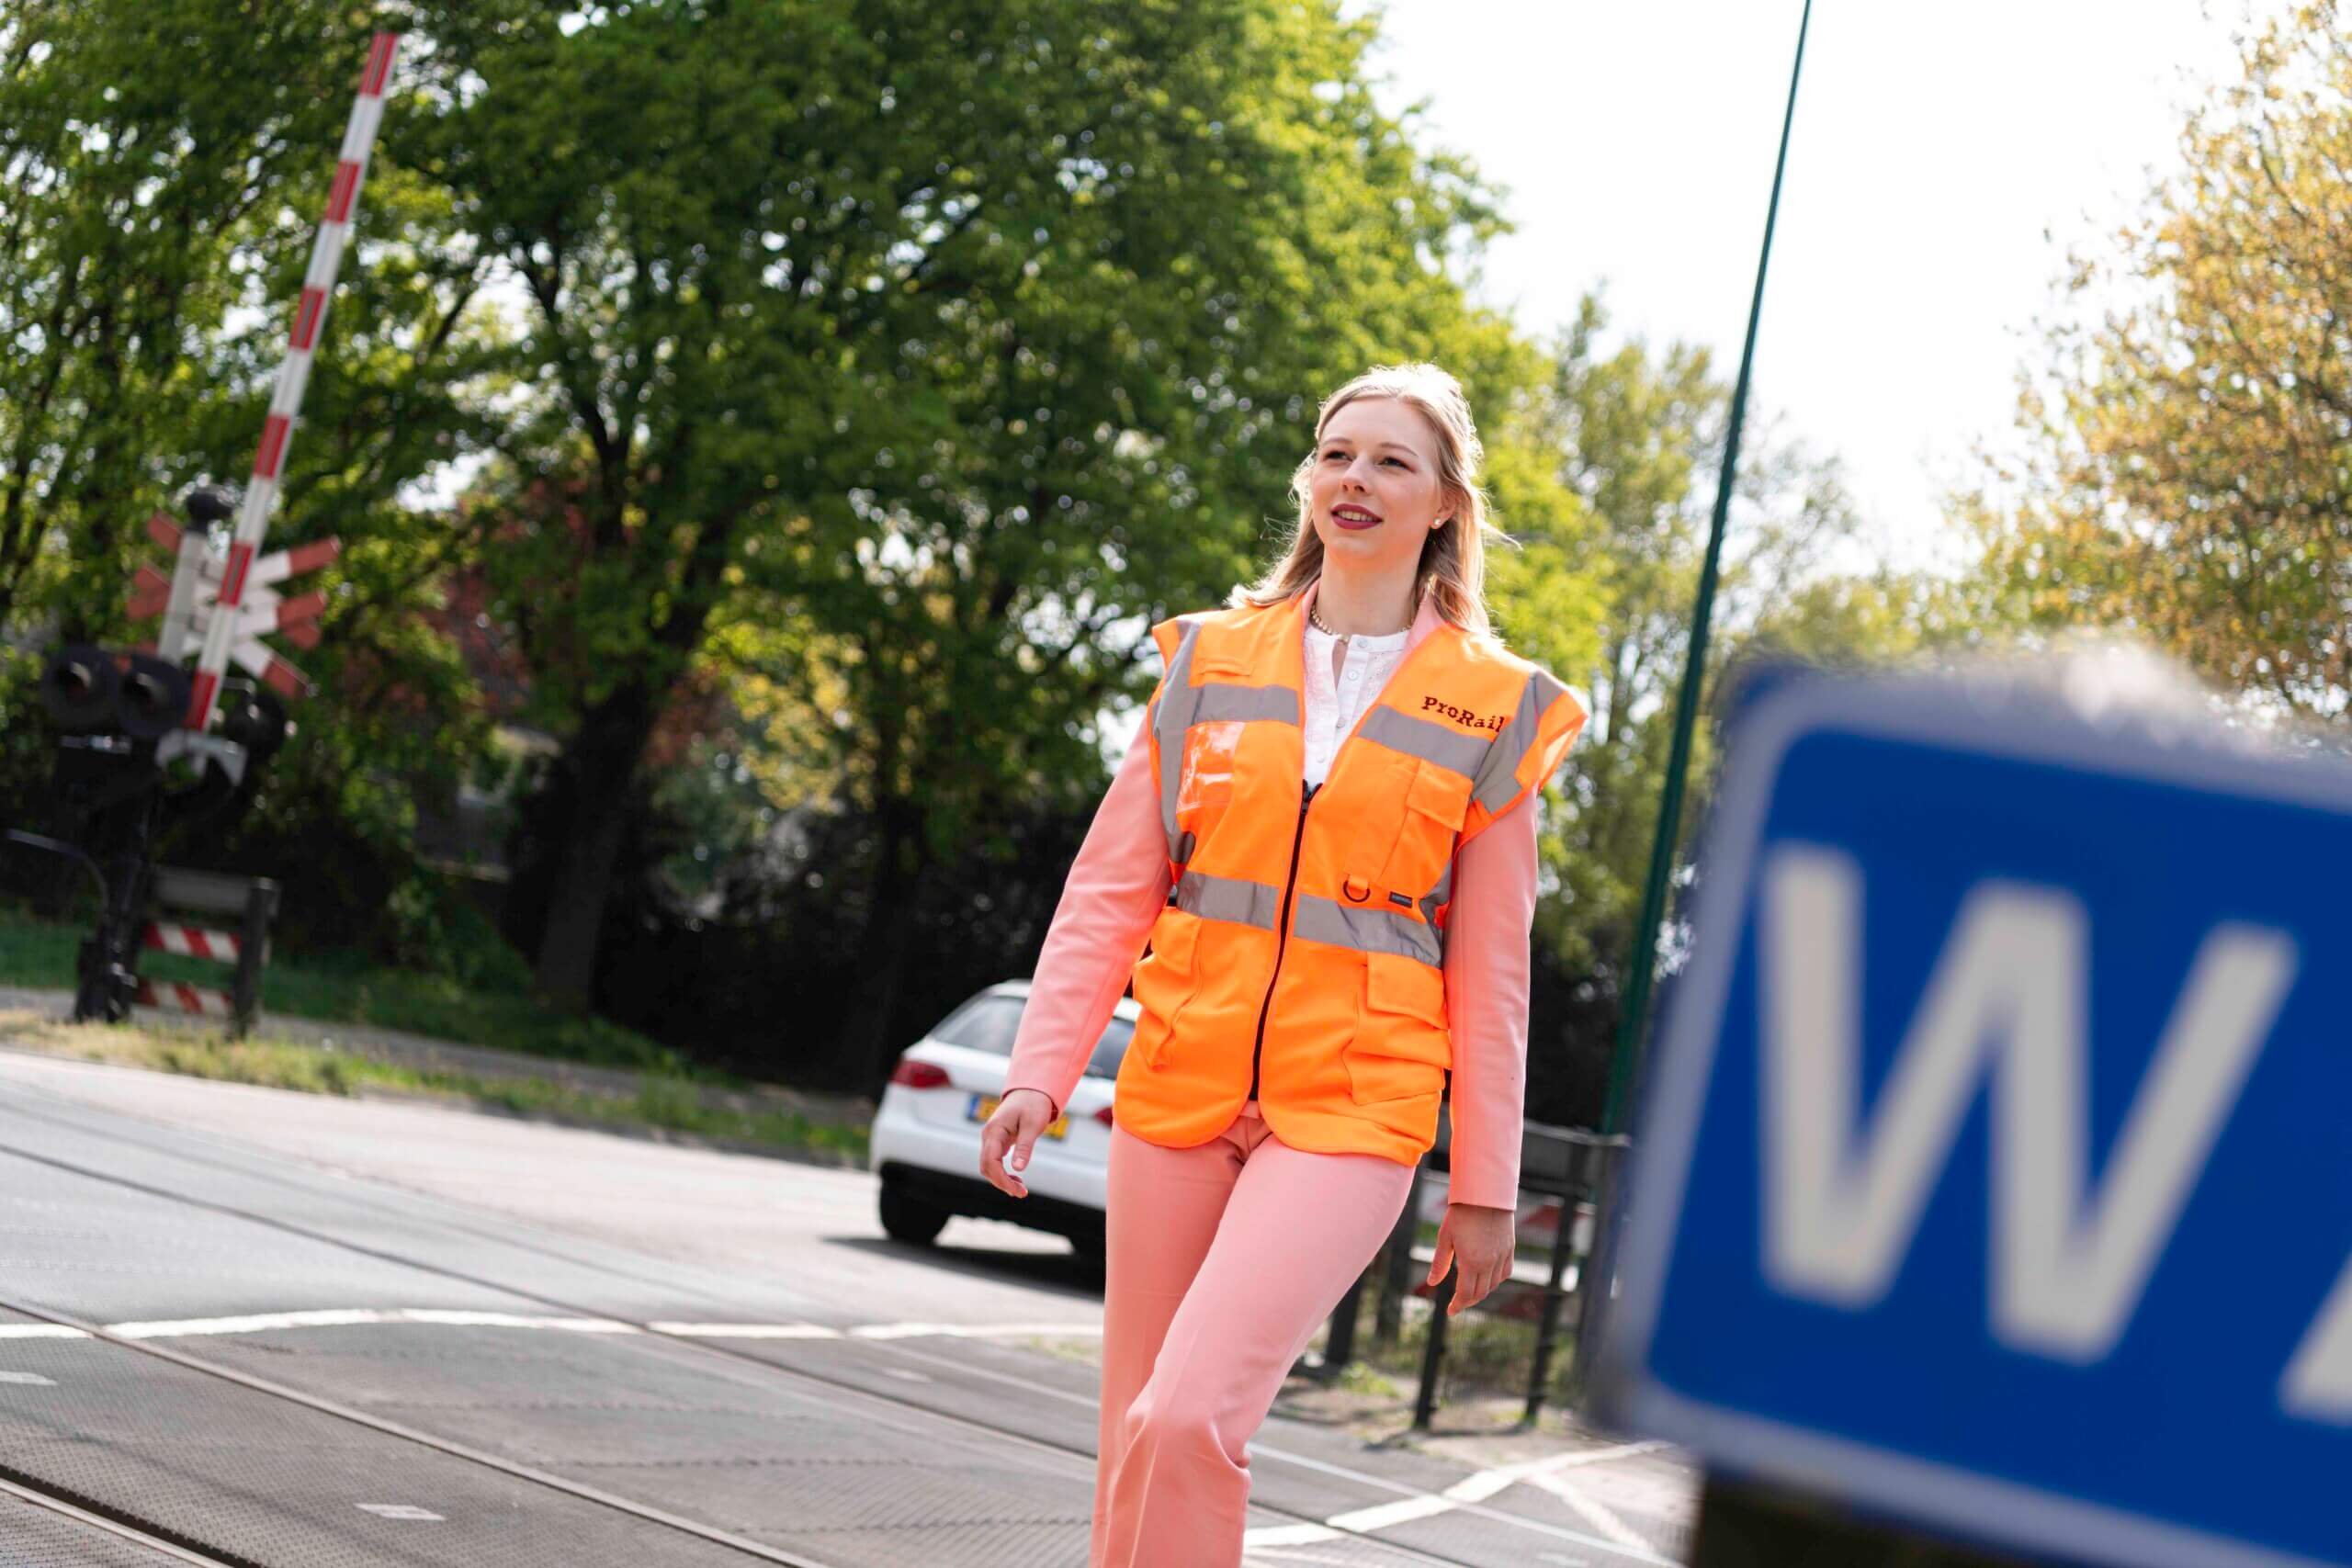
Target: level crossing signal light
89, 690
129, 762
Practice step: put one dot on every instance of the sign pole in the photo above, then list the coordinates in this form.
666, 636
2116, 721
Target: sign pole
1742, 1526
220, 634
1642, 962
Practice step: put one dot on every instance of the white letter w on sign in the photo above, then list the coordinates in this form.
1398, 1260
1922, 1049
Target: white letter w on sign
1843, 1194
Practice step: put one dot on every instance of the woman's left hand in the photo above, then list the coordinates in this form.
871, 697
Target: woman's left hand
1480, 1240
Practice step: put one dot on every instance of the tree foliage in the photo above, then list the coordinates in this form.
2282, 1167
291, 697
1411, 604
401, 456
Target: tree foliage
128, 198
922, 355
1636, 436
813, 402
2187, 470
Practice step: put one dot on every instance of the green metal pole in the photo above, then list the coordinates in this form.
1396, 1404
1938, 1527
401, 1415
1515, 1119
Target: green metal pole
1632, 1023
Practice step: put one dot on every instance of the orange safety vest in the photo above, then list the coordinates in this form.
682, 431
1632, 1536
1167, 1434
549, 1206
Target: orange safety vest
1300, 956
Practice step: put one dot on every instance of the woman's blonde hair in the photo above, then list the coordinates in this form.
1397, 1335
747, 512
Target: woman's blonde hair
1454, 561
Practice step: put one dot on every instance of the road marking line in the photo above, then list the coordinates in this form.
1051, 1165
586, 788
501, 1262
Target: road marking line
1380, 1516
512, 1320
1492, 1515
876, 1330
254, 1322
1288, 1535
1592, 1511
971, 1330
30, 1380
746, 1330
1487, 1483
454, 1317
348, 1317
408, 1511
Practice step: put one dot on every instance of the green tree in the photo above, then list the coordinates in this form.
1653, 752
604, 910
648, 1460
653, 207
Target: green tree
929, 353
1126, 384
2186, 468
1637, 435
128, 183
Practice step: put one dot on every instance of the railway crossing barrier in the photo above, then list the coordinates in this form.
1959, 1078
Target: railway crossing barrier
252, 901
132, 723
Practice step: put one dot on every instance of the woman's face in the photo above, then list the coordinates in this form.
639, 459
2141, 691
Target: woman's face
1373, 493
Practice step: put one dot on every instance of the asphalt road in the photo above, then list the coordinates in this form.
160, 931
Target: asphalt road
245, 1326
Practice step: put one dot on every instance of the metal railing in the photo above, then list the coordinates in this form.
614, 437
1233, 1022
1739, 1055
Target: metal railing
1576, 1170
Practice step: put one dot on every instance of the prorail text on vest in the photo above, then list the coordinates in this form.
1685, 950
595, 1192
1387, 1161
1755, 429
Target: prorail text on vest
1464, 716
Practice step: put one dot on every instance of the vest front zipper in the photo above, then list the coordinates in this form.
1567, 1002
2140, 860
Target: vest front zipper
1282, 938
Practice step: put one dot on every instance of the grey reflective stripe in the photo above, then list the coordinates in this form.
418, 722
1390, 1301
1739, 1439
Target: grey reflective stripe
1365, 928
1169, 722
1497, 781
1432, 743
1217, 700
1228, 899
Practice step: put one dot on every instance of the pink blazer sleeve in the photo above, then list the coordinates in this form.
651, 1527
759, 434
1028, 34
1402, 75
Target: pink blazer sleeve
1486, 1006
1116, 888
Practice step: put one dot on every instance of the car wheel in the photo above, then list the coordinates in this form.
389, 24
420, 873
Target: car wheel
909, 1220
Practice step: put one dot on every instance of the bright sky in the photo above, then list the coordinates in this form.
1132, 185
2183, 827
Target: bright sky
1934, 145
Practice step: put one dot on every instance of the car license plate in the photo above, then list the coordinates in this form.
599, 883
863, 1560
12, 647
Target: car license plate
984, 1106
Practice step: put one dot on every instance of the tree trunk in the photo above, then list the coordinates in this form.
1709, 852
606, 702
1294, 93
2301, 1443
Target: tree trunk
599, 764
889, 934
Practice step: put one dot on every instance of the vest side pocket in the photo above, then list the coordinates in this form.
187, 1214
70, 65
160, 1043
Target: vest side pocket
1401, 1047
1163, 982
1436, 800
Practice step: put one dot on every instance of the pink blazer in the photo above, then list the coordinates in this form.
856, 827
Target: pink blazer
1118, 884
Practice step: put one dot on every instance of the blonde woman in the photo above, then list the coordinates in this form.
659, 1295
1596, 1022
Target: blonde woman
1325, 830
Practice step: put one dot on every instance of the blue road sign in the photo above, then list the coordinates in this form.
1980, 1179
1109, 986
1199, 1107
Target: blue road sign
1995, 1172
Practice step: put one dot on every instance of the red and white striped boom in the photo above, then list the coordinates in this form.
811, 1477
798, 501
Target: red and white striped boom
221, 636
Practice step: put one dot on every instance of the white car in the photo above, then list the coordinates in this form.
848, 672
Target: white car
926, 1137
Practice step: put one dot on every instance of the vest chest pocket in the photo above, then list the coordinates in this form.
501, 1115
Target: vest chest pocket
1402, 1047
1436, 800
1205, 783
1163, 982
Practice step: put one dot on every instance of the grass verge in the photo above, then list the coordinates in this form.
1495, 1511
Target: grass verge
664, 1102
346, 988
1485, 1355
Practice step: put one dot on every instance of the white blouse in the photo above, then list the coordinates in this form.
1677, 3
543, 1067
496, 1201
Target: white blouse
1334, 706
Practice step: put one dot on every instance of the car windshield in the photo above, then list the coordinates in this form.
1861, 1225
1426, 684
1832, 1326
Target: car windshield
989, 1022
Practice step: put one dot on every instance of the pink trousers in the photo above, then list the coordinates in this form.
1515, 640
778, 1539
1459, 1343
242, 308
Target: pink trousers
1224, 1259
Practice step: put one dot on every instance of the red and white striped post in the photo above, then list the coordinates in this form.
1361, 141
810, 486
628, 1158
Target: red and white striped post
221, 636
192, 941
173, 995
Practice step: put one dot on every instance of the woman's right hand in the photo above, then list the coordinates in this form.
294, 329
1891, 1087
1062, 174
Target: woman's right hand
1021, 1116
